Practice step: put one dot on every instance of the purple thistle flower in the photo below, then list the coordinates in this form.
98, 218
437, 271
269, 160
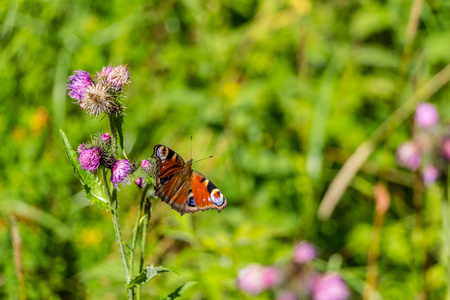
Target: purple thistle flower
81, 147
304, 252
255, 278
147, 166
330, 287
90, 158
429, 175
140, 182
105, 71
426, 115
119, 173
78, 83
106, 138
118, 77
408, 155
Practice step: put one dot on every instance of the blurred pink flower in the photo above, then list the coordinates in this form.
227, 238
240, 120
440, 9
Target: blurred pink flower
272, 276
304, 252
255, 278
429, 175
288, 295
408, 155
330, 287
446, 148
426, 115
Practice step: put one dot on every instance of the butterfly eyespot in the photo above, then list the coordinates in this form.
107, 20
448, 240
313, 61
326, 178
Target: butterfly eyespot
191, 201
162, 152
165, 179
217, 197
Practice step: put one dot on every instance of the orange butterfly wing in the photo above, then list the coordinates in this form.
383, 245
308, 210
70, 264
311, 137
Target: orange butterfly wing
205, 194
184, 189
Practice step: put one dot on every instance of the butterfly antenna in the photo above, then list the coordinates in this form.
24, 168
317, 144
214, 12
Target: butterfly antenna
191, 146
202, 159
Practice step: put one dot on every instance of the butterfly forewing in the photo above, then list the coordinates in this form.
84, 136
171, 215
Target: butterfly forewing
168, 162
184, 189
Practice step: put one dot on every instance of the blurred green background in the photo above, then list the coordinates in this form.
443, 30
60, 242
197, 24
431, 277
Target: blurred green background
281, 93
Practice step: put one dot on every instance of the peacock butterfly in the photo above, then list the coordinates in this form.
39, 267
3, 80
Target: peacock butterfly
184, 189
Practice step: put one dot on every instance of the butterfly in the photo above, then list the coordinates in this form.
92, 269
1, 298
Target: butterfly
184, 189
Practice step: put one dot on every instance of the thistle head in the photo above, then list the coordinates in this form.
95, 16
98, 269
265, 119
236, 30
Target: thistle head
105, 138
78, 84
114, 77
147, 166
97, 100
90, 158
120, 172
101, 94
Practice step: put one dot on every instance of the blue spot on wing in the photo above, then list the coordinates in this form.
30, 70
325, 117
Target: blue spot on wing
165, 179
191, 201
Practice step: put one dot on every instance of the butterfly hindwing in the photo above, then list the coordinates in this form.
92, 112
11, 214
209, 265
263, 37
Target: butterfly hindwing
184, 189
205, 194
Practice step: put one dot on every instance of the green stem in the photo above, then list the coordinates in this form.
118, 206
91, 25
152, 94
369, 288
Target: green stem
147, 215
114, 208
446, 230
136, 227
112, 124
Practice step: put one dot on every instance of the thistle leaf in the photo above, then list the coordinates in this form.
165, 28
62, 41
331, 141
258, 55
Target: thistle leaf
92, 186
148, 274
180, 290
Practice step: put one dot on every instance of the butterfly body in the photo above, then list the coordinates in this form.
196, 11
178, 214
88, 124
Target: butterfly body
183, 188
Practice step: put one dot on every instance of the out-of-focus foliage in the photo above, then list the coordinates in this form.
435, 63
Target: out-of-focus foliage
279, 92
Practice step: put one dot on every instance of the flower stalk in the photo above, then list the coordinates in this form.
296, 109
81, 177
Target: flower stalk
446, 228
147, 216
136, 227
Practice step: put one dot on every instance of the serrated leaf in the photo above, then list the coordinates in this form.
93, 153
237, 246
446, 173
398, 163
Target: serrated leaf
92, 186
180, 291
173, 269
146, 275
